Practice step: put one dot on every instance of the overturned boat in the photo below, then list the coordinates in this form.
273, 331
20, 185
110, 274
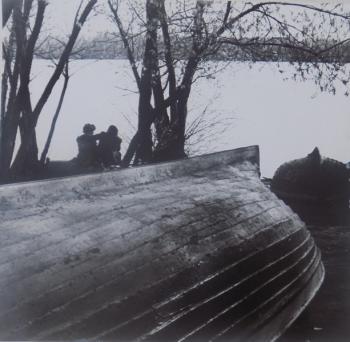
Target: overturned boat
315, 187
197, 249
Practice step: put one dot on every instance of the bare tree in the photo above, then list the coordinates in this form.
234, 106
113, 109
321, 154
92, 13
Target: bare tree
193, 33
19, 113
19, 75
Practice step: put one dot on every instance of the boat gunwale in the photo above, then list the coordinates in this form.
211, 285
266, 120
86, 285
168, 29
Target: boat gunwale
252, 150
15, 196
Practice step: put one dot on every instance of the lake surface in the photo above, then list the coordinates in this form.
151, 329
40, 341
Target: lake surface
287, 119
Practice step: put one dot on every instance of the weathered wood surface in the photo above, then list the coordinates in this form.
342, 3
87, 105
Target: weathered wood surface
197, 249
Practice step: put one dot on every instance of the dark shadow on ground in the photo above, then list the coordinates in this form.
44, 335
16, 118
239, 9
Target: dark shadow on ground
55, 169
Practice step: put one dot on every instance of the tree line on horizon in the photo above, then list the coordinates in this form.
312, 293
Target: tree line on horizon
110, 46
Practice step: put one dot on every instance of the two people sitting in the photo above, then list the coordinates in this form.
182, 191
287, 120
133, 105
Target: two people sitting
106, 153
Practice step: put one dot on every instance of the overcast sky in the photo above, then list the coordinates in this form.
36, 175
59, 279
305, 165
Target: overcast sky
60, 14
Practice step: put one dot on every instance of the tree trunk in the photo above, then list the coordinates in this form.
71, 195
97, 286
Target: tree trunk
4, 90
130, 151
144, 150
172, 145
54, 120
141, 145
7, 8
11, 109
26, 160
9, 132
26, 163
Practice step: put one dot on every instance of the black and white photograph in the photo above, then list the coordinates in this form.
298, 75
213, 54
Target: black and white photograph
175, 170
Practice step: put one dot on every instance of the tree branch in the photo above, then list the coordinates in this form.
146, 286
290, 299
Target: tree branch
168, 58
63, 59
257, 6
54, 120
7, 8
29, 51
126, 43
7, 65
227, 12
28, 4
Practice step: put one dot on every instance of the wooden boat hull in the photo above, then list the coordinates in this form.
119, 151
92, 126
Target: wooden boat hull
316, 188
197, 249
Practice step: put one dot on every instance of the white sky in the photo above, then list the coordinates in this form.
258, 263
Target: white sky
60, 13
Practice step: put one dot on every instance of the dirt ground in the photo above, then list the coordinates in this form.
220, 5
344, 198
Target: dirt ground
327, 318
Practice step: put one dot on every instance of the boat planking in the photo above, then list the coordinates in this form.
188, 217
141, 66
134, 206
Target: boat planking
191, 250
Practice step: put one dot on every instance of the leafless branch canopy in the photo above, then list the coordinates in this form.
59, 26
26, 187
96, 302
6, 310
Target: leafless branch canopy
191, 33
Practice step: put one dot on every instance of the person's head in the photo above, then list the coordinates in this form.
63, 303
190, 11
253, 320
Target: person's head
112, 130
89, 129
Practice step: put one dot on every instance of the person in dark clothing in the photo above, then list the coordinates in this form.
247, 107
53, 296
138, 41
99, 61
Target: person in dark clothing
109, 147
87, 147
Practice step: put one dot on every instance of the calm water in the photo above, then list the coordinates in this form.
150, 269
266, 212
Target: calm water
286, 118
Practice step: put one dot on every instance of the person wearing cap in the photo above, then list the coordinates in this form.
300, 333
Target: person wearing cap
87, 147
109, 147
